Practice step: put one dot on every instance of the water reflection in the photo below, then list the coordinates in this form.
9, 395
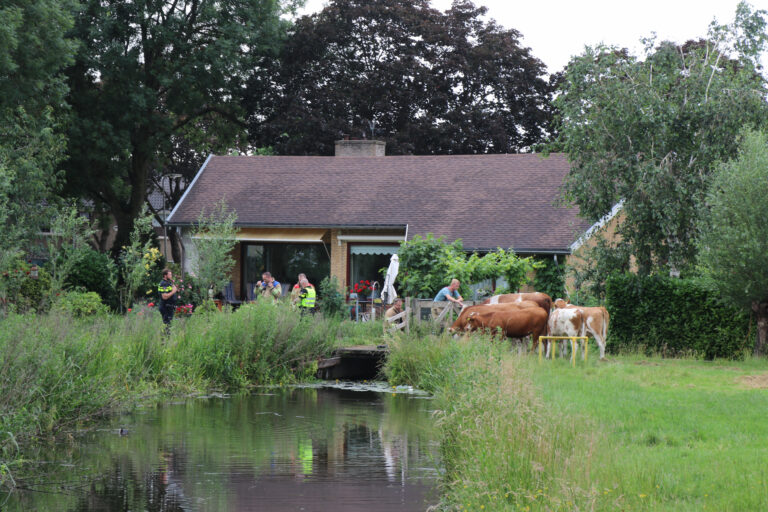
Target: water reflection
300, 449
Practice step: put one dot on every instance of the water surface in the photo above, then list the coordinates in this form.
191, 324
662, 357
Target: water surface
299, 449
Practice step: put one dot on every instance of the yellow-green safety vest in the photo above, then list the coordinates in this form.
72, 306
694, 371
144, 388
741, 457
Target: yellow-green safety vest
309, 300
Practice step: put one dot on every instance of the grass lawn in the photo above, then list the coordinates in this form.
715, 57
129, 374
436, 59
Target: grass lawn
664, 434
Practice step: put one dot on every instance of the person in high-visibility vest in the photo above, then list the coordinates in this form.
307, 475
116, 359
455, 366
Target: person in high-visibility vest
307, 297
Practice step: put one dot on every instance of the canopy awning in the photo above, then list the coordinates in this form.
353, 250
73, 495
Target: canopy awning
374, 249
290, 236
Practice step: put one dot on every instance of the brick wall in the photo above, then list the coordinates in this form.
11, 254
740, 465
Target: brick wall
338, 258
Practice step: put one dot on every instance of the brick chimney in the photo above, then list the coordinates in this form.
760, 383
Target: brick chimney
347, 147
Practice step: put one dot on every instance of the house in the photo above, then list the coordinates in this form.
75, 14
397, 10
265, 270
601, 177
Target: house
345, 215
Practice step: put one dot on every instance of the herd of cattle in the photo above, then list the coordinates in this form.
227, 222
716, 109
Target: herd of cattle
517, 315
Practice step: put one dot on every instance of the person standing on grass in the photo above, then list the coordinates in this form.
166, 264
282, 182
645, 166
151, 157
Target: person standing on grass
168, 295
449, 293
307, 297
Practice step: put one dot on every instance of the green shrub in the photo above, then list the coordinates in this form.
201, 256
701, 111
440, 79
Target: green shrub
673, 317
93, 271
207, 306
80, 304
331, 300
550, 278
34, 293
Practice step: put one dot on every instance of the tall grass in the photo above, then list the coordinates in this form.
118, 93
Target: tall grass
56, 370
632, 434
501, 449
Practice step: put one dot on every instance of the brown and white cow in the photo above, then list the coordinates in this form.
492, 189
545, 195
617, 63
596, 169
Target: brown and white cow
564, 322
461, 322
512, 323
594, 322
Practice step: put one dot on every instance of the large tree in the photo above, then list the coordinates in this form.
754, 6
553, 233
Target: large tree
426, 82
649, 130
34, 52
147, 73
733, 239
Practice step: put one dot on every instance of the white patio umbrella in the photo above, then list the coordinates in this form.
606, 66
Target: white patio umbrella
388, 293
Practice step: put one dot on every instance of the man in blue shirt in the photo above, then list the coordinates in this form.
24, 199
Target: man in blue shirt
449, 293
269, 286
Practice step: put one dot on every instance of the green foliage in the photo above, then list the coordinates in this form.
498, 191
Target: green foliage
424, 265
733, 240
80, 304
214, 239
35, 294
433, 82
207, 307
678, 111
34, 53
331, 301
156, 84
550, 277
428, 264
673, 317
69, 234
94, 271
138, 260
596, 263
23, 293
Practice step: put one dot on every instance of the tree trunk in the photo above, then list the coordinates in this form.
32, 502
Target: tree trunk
761, 313
175, 241
126, 214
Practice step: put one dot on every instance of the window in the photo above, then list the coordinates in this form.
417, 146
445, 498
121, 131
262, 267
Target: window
285, 262
370, 262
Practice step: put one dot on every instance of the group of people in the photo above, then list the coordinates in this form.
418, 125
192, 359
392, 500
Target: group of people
303, 294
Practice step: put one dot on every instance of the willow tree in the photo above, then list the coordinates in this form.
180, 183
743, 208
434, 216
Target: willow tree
733, 240
649, 130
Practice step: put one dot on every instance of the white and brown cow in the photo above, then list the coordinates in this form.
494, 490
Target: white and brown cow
564, 322
594, 322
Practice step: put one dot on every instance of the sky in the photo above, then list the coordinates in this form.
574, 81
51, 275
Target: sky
557, 29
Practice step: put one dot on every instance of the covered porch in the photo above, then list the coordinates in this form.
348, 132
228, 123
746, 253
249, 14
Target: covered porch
349, 254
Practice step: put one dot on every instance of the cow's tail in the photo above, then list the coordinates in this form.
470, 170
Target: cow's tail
607, 318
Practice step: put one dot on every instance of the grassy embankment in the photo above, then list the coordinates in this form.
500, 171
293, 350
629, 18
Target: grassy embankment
629, 434
57, 372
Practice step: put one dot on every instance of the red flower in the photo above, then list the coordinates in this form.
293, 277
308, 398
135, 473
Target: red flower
367, 282
151, 304
129, 309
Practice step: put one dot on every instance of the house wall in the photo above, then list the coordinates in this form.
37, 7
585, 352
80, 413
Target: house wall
338, 250
578, 259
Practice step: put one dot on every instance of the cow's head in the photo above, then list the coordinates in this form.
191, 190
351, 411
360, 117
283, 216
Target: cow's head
560, 303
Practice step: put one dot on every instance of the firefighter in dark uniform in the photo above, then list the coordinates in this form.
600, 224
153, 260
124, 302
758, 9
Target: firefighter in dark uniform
307, 297
168, 293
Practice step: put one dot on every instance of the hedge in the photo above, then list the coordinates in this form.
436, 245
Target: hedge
674, 317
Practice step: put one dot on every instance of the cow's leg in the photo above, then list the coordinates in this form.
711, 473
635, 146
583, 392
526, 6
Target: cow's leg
598, 335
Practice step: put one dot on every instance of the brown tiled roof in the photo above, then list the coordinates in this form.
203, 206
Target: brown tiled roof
488, 201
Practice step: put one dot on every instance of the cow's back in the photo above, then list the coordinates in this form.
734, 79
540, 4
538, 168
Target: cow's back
565, 322
542, 299
461, 322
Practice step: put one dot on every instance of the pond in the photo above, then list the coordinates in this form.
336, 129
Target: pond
299, 449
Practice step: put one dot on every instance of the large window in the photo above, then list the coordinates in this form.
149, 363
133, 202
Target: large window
370, 262
285, 262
